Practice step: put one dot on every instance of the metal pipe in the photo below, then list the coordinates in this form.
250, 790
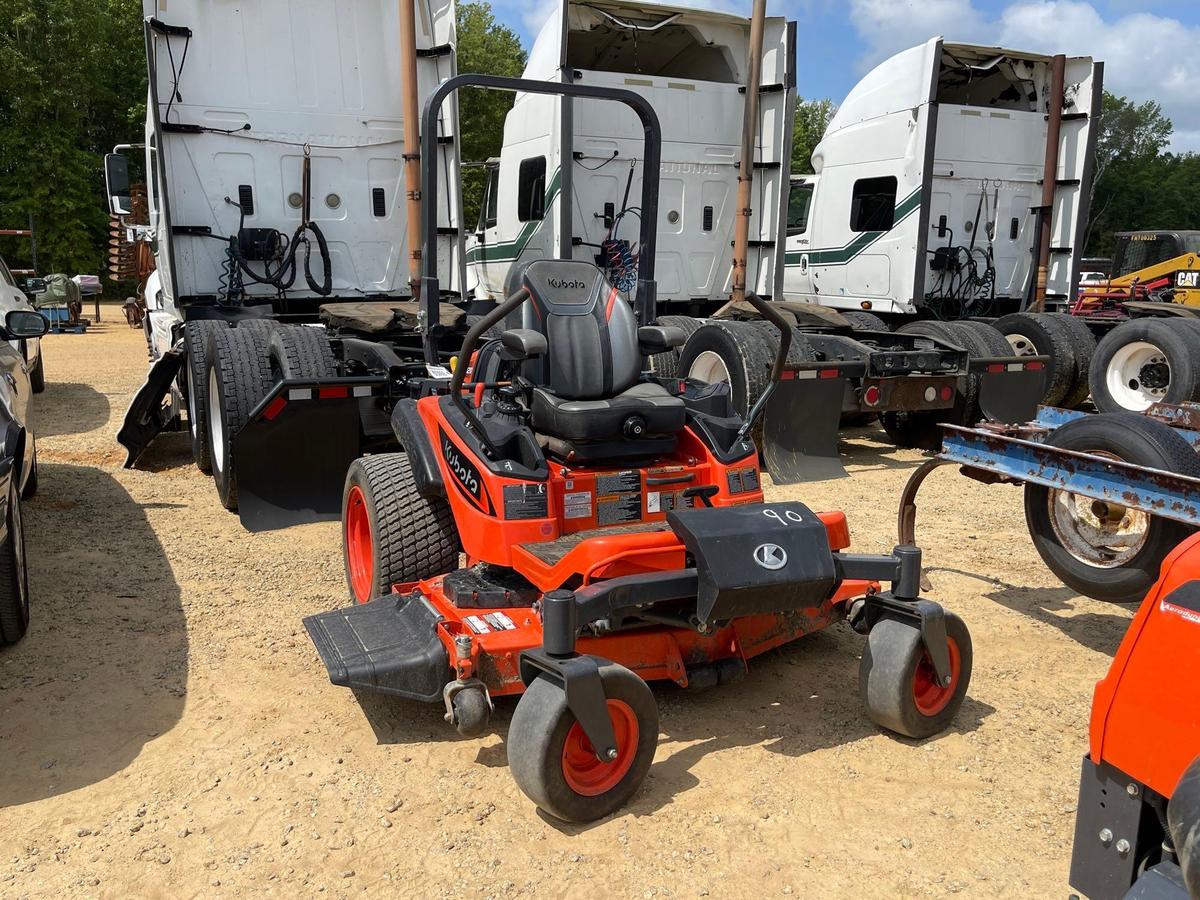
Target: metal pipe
741, 225
412, 140
1058, 67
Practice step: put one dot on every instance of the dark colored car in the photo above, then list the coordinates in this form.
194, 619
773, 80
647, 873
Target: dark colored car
18, 469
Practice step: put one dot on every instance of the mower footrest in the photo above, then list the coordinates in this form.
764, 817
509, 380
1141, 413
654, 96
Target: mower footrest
388, 646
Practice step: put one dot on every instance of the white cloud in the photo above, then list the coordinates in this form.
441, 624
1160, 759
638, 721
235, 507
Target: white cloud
1136, 49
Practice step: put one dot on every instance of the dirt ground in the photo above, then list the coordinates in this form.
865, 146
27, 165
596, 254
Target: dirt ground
167, 730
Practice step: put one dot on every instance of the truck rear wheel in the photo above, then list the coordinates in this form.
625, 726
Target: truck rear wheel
863, 321
666, 364
736, 353
390, 533
239, 376
1101, 549
1037, 334
1145, 361
1083, 347
298, 351
195, 341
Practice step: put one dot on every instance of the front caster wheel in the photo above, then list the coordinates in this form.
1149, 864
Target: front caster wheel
897, 682
472, 712
555, 765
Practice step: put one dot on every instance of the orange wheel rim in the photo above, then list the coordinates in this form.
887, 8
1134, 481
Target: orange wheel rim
360, 558
583, 772
931, 698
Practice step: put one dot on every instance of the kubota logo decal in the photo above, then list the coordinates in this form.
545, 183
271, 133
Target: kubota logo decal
564, 283
770, 556
466, 476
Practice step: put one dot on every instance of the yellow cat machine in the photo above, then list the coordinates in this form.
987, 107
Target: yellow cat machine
1154, 266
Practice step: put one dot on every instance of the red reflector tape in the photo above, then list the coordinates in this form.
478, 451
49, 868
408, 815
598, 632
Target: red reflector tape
332, 393
996, 367
1035, 366
787, 375
274, 407
828, 373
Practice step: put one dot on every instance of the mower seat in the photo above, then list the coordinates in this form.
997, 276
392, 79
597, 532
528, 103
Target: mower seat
589, 401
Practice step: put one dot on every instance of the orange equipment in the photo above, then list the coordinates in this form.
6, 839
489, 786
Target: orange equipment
1137, 831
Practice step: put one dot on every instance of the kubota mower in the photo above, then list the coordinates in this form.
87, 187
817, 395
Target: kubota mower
1137, 831
615, 533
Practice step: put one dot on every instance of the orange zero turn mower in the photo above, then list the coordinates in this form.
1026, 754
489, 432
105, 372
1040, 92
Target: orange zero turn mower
614, 532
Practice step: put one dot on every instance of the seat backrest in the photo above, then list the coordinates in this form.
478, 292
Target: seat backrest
590, 331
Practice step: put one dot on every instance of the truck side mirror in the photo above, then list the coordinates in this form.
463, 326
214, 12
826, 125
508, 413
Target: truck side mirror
116, 181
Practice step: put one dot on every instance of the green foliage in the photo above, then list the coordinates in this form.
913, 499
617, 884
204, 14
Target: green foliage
487, 48
72, 84
812, 118
1137, 185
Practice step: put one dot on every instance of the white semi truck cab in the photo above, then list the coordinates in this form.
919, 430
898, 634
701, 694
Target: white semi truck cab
929, 179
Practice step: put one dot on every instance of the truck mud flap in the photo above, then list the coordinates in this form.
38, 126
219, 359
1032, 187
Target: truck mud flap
387, 646
800, 427
146, 415
292, 454
1009, 389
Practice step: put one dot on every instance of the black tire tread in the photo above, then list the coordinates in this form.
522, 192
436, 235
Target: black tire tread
863, 321
37, 375
666, 364
298, 351
244, 368
14, 609
415, 537
195, 341
1083, 345
1121, 434
1049, 338
1163, 334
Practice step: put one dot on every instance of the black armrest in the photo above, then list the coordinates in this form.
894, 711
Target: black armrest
657, 338
522, 343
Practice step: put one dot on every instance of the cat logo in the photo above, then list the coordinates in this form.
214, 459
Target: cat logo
1188, 278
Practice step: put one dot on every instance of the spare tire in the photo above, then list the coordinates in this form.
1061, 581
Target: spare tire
1083, 347
1039, 334
666, 364
737, 353
1145, 361
298, 351
1100, 549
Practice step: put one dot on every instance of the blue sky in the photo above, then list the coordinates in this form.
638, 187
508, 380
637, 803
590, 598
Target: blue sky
1151, 48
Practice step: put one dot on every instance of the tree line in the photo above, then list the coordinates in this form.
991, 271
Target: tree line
73, 84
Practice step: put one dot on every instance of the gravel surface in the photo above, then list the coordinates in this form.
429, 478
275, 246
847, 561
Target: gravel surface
167, 730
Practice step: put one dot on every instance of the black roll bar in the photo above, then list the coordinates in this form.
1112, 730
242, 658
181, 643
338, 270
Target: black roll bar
645, 301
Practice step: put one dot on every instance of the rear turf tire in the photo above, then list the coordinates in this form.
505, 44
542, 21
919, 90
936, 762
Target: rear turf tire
239, 376
1060, 523
195, 341
14, 577
390, 533
548, 755
896, 680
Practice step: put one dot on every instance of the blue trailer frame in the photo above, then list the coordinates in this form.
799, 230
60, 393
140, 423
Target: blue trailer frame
997, 454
